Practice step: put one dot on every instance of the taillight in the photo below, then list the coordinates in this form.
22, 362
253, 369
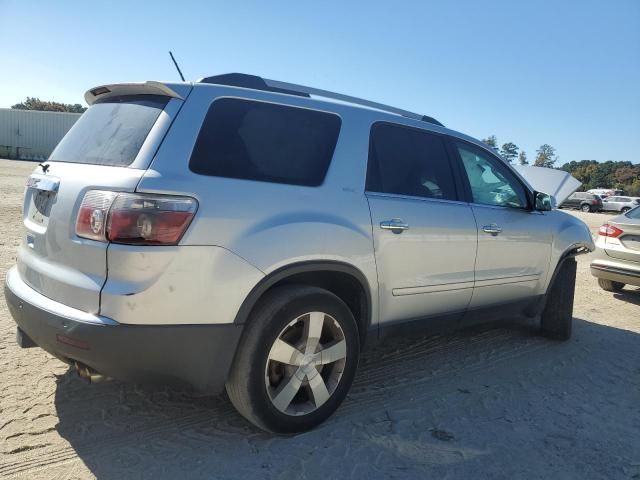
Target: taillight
92, 216
135, 219
607, 230
594, 202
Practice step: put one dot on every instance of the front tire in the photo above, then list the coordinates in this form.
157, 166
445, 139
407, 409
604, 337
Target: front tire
557, 316
296, 361
610, 285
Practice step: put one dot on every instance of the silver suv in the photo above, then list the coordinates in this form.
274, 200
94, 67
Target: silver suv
251, 234
620, 204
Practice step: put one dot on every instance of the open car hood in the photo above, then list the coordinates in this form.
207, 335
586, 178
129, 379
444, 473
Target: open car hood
557, 183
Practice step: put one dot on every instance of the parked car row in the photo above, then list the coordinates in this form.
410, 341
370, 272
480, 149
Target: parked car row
591, 202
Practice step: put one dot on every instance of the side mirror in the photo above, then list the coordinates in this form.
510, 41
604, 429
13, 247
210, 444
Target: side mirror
544, 202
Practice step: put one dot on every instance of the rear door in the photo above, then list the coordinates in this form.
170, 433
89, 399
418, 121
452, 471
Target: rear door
514, 242
108, 148
424, 236
573, 201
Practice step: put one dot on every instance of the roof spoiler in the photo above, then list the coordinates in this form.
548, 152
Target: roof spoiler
119, 89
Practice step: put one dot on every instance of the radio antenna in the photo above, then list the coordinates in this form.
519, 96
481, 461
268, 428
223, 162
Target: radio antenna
176, 64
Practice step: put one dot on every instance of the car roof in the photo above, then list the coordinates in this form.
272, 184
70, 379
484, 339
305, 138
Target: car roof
282, 90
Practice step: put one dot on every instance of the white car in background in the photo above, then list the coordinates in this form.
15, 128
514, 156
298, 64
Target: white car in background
619, 204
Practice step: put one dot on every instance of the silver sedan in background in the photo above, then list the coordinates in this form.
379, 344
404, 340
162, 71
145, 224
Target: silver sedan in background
616, 260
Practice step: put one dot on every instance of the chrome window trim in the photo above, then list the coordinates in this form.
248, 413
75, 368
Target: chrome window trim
369, 193
518, 209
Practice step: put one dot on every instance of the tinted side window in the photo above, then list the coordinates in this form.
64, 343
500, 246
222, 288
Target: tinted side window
490, 180
409, 161
265, 142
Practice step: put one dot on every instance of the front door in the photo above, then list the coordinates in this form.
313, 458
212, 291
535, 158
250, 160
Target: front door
424, 238
611, 204
514, 241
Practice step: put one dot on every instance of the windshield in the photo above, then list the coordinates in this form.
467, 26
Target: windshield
110, 132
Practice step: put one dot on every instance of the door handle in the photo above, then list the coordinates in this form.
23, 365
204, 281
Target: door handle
396, 225
493, 229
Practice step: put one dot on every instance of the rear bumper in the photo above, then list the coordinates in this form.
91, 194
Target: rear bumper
195, 355
616, 274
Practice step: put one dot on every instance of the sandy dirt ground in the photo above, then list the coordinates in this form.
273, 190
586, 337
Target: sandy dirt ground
498, 403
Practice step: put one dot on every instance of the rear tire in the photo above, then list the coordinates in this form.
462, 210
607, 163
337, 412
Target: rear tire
281, 352
625, 210
610, 285
586, 208
557, 316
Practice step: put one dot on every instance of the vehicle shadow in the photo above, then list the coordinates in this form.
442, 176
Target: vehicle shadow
630, 296
476, 403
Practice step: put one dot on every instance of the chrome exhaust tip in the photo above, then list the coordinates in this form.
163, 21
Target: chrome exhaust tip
90, 374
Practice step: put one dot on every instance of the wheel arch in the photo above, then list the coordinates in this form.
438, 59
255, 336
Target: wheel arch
570, 253
342, 279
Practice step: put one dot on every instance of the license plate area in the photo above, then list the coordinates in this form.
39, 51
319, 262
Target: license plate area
41, 192
40, 207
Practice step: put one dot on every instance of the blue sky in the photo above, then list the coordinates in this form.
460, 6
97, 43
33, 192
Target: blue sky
565, 72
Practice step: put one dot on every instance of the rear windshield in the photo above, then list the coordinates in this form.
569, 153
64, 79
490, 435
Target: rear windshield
110, 132
635, 213
266, 142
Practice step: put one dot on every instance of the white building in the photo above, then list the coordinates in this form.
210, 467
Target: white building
31, 134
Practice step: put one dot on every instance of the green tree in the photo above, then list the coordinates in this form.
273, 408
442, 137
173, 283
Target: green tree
522, 158
620, 175
492, 141
634, 188
509, 151
33, 103
546, 156
584, 170
627, 175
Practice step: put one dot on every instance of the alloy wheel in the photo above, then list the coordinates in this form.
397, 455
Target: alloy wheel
305, 363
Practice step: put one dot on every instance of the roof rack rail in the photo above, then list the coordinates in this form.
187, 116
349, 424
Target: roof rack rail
259, 83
